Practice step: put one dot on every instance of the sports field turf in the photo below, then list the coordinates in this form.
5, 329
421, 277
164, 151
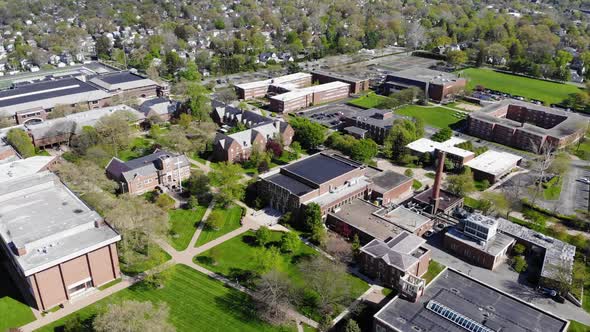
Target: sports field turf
197, 303
183, 224
432, 116
231, 217
369, 100
530, 88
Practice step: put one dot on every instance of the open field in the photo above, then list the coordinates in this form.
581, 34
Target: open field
237, 258
13, 312
370, 100
195, 301
231, 220
183, 224
432, 116
548, 92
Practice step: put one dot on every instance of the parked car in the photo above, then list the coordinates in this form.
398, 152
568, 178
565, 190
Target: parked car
584, 180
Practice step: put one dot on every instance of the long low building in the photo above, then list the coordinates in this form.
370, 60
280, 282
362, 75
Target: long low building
28, 102
259, 89
526, 126
457, 302
357, 85
493, 165
457, 155
437, 85
301, 98
58, 249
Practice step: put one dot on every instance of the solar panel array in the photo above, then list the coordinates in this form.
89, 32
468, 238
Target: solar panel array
455, 317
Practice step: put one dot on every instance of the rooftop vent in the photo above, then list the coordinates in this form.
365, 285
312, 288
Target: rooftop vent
78, 211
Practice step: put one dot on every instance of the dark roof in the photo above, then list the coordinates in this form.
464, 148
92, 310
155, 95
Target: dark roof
472, 299
294, 186
355, 130
120, 77
320, 168
43, 90
447, 199
389, 180
143, 165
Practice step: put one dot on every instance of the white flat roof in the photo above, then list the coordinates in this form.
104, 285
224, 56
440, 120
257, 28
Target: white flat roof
277, 80
424, 145
309, 90
40, 214
23, 167
494, 162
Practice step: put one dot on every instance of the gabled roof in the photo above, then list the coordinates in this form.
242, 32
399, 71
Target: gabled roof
397, 252
141, 166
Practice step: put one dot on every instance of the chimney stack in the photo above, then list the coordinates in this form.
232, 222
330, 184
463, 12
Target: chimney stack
437, 181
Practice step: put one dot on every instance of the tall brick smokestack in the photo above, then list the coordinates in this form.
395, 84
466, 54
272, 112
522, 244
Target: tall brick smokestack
438, 181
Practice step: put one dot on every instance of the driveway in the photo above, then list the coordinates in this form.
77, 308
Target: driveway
506, 280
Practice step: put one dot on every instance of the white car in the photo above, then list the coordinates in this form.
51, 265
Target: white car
584, 180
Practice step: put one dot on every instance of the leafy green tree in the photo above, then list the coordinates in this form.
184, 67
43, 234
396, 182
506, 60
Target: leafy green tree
456, 58
22, 142
103, 47
312, 216
461, 184
190, 72
364, 150
318, 235
227, 178
356, 244
290, 242
352, 326
309, 134
267, 259
442, 135
518, 249
165, 202
263, 236
519, 264
197, 101
215, 220
402, 133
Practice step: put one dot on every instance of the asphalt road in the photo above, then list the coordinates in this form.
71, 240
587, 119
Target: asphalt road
574, 194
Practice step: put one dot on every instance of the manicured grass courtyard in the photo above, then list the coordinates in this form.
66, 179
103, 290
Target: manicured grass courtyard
143, 263
196, 302
231, 220
13, 311
437, 117
582, 150
530, 88
183, 224
237, 258
434, 268
370, 100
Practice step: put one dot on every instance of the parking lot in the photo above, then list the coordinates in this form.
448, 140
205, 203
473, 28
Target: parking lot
331, 115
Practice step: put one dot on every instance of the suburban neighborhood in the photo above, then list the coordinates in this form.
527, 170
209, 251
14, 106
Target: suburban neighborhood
320, 166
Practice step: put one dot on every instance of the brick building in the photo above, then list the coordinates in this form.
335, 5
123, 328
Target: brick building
160, 169
357, 85
526, 126
437, 85
57, 248
33, 102
376, 123
328, 179
456, 155
296, 99
260, 89
238, 146
398, 263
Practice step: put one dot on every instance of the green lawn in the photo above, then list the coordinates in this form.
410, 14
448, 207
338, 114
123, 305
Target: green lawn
434, 268
139, 147
235, 258
370, 100
548, 92
196, 303
553, 189
183, 224
577, 327
231, 216
13, 311
144, 263
437, 117
110, 283
582, 150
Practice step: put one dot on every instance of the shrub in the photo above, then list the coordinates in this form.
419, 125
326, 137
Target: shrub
518, 249
519, 264
165, 202
290, 242
409, 172
263, 236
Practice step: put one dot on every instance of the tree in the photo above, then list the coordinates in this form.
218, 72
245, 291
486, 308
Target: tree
227, 178
272, 295
442, 135
22, 142
318, 235
519, 264
518, 249
403, 132
198, 185
312, 216
263, 236
75, 324
415, 35
226, 95
103, 47
364, 150
456, 58
134, 316
114, 131
356, 245
309, 134
165, 202
498, 201
85, 178
290, 242
268, 259
190, 72
328, 280
352, 326
461, 184
197, 101
215, 220
560, 164
173, 62
296, 148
